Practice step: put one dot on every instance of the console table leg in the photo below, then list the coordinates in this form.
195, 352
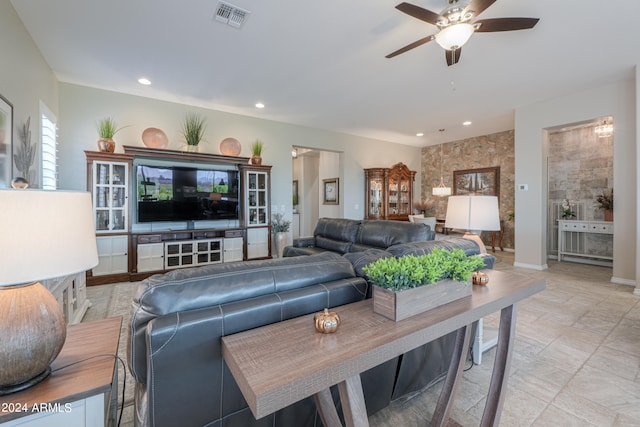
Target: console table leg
353, 406
502, 363
327, 409
450, 387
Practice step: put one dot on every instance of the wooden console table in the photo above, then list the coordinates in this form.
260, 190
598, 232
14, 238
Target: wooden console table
282, 363
83, 394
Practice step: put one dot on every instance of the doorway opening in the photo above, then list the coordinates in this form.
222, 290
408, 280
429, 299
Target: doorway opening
579, 173
311, 168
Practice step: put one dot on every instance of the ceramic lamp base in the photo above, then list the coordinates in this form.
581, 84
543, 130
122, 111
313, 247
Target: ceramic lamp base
32, 333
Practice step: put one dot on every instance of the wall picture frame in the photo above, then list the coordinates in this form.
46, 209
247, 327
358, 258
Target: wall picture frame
477, 182
6, 142
330, 192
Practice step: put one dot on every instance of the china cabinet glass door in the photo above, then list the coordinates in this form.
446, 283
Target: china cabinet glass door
110, 196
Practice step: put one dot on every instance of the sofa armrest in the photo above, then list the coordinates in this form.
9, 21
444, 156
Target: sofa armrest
304, 242
489, 260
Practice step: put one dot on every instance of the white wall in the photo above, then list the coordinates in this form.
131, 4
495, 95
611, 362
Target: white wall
25, 77
615, 99
81, 107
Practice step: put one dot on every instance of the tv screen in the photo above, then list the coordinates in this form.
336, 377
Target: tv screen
178, 193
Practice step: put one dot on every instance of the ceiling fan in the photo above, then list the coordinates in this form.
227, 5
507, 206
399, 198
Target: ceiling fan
456, 27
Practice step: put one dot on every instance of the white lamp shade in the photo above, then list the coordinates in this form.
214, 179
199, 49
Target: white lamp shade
473, 213
45, 234
454, 36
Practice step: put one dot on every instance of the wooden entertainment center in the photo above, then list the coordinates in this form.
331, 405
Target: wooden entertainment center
131, 251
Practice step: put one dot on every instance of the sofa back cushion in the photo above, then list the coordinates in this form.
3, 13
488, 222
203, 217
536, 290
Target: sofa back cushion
336, 229
382, 234
421, 248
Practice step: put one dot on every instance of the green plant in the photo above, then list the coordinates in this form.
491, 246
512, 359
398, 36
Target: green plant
256, 147
279, 224
605, 200
107, 128
193, 127
413, 271
26, 153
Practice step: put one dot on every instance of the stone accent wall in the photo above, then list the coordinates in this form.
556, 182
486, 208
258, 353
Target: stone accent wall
484, 151
580, 168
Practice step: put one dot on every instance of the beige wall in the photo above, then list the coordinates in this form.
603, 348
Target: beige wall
479, 152
81, 107
616, 99
25, 77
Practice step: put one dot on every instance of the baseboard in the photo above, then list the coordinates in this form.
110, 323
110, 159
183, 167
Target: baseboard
531, 266
621, 281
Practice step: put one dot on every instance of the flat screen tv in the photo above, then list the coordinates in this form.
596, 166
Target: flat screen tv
182, 193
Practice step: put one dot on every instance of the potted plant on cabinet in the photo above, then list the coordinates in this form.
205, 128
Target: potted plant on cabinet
256, 152
406, 286
107, 128
193, 127
605, 201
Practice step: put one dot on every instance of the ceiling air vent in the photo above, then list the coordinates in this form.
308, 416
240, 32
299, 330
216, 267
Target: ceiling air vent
230, 14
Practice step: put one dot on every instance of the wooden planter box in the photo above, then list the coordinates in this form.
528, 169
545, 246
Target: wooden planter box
409, 302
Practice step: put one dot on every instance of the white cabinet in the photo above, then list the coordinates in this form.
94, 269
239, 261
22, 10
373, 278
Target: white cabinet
257, 201
233, 249
71, 294
256, 215
190, 253
150, 257
110, 196
113, 255
257, 243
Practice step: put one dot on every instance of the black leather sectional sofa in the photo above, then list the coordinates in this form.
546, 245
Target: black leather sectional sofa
178, 318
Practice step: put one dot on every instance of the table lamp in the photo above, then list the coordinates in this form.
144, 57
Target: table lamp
473, 214
45, 234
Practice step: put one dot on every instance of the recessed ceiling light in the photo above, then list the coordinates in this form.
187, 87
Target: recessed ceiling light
467, 123
419, 134
144, 81
259, 105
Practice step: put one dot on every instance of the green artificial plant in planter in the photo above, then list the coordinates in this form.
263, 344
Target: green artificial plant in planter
409, 285
256, 152
193, 127
107, 128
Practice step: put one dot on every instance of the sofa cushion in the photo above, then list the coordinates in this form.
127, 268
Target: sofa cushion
339, 246
339, 229
469, 247
382, 234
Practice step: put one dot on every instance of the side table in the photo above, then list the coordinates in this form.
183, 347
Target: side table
82, 394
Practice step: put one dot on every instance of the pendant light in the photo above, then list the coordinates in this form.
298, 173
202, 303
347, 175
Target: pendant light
441, 190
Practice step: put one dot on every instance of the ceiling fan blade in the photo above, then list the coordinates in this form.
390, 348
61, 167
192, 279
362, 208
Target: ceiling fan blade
504, 24
419, 12
453, 56
411, 46
479, 6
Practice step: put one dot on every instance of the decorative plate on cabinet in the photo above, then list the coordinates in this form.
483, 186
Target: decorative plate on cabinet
155, 138
230, 147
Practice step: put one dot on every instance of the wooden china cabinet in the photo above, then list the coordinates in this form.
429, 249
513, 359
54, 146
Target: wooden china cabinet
389, 192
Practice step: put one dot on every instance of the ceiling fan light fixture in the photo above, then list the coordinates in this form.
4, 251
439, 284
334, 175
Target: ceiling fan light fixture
454, 36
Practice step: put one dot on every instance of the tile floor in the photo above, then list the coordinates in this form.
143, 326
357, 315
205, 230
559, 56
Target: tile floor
576, 360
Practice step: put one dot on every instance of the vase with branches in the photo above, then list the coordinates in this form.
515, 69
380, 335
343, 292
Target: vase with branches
604, 201
26, 152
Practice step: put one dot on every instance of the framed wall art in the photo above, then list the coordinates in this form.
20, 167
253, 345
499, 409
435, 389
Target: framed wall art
477, 182
6, 142
331, 188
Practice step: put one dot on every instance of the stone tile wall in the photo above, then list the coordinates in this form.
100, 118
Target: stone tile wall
479, 152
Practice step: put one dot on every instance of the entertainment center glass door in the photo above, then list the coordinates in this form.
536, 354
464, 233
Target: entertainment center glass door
110, 196
257, 198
